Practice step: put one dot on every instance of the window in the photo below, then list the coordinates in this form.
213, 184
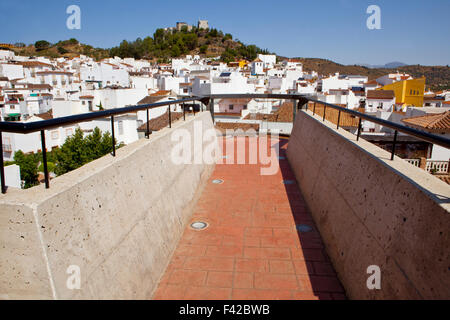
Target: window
231, 107
120, 124
55, 135
83, 102
90, 105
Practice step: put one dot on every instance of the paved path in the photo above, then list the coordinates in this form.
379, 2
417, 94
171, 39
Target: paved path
251, 248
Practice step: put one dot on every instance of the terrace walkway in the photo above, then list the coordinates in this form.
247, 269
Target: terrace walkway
251, 248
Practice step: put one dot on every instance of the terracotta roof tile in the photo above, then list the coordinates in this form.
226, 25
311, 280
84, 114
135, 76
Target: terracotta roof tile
160, 122
46, 115
431, 122
380, 94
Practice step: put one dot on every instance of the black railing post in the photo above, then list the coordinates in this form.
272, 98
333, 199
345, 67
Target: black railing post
44, 159
170, 118
294, 109
211, 109
339, 118
2, 178
193, 109
113, 138
393, 145
147, 133
359, 130
184, 112
324, 112
314, 109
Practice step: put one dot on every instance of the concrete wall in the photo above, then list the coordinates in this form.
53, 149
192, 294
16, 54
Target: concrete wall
118, 219
373, 211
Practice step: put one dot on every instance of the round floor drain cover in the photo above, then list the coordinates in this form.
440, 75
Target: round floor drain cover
303, 228
288, 181
199, 225
217, 181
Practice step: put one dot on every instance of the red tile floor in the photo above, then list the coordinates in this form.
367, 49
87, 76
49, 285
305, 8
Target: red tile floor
251, 248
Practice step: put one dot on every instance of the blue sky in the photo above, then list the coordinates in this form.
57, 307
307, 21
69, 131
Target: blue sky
413, 32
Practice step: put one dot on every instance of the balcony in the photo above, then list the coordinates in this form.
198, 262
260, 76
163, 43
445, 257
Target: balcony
335, 206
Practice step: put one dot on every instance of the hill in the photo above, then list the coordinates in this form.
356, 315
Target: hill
166, 44
163, 45
67, 48
437, 77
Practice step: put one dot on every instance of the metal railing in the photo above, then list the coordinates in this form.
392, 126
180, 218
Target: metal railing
29, 127
299, 101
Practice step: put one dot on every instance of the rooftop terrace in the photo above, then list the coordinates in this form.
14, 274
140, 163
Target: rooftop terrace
252, 248
335, 207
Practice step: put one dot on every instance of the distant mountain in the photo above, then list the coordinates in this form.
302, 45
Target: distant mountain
394, 65
390, 65
437, 77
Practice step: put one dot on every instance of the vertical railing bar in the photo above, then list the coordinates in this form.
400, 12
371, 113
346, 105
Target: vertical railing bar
359, 130
324, 112
294, 109
393, 145
44, 159
170, 118
339, 118
2, 167
314, 109
113, 137
148, 126
184, 111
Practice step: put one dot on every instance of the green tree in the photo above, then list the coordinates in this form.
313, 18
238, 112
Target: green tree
62, 50
42, 45
226, 37
50, 167
28, 168
72, 155
78, 150
203, 49
176, 51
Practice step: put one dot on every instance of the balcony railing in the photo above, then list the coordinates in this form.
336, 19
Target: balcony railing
432, 166
299, 102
